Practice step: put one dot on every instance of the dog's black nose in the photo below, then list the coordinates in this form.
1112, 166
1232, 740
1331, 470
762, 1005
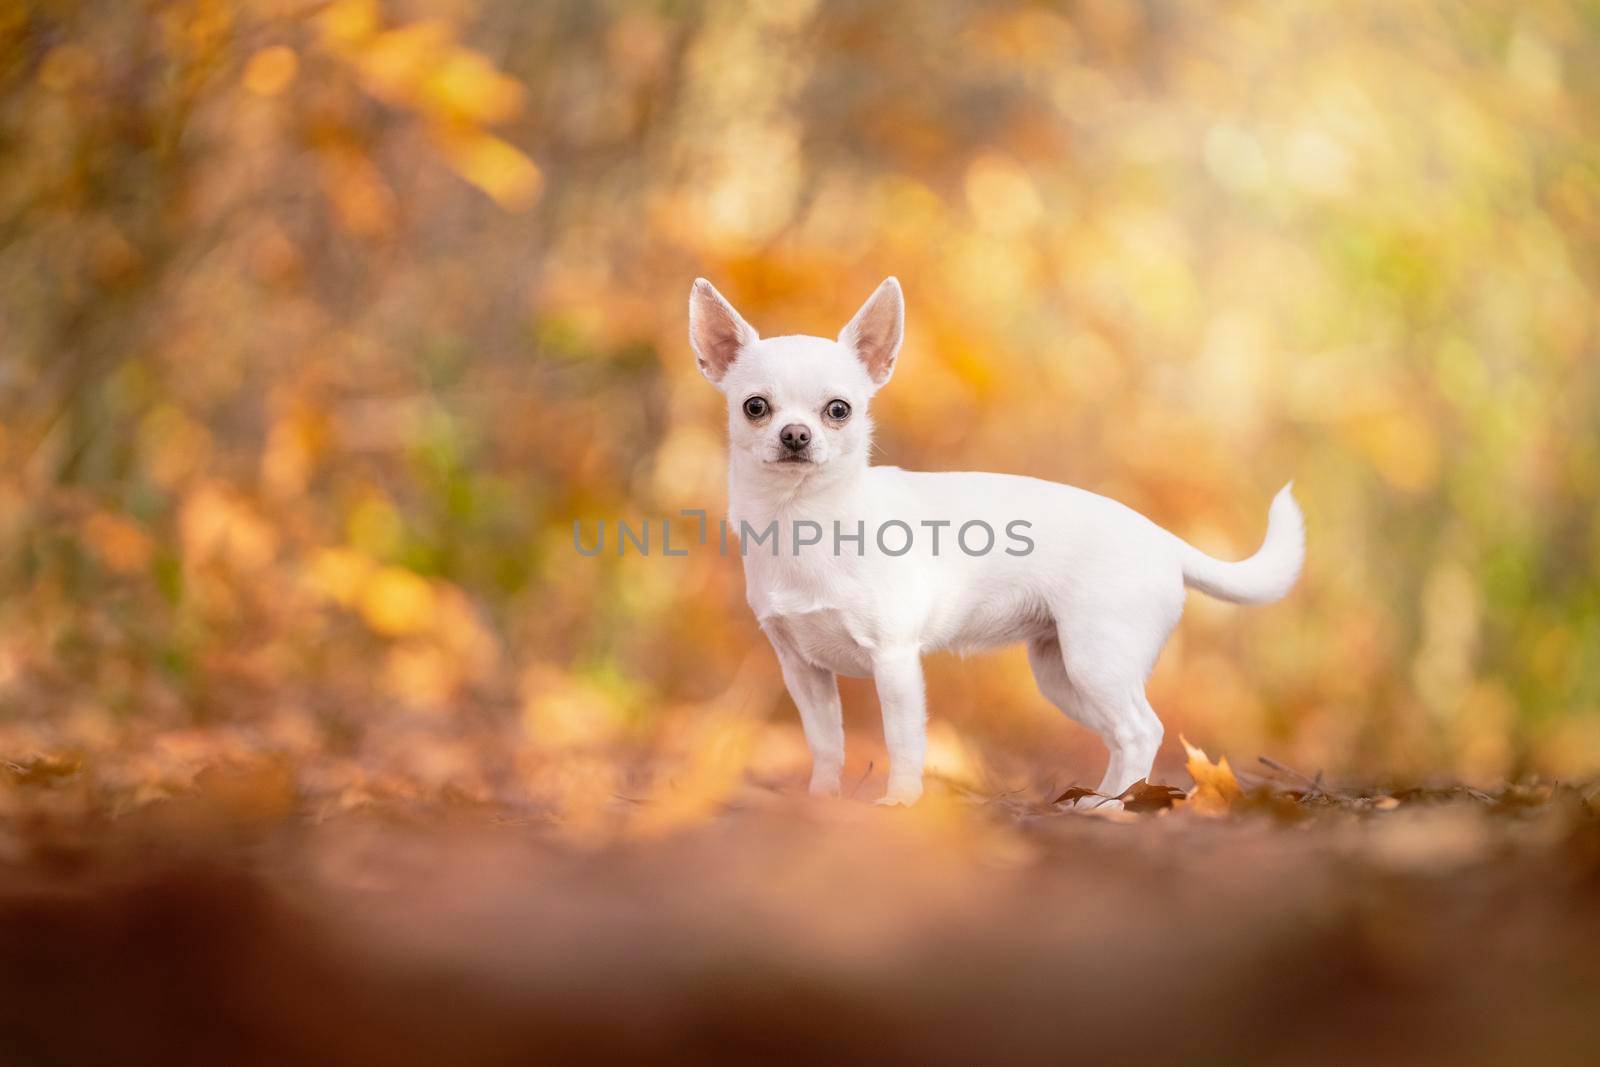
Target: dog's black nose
794, 437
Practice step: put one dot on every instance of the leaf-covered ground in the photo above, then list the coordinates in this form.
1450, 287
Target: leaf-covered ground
260, 912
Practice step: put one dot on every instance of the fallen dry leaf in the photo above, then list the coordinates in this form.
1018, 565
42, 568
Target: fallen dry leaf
1074, 794
1143, 796
1215, 787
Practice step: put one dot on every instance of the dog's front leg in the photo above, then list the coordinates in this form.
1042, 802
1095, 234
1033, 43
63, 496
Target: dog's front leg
815, 692
897, 671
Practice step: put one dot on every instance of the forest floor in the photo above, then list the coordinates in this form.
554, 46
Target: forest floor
250, 918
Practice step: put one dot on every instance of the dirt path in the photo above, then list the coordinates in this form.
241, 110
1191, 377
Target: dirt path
248, 922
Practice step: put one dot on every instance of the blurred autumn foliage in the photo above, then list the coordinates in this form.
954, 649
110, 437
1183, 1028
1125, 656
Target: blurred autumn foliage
321, 323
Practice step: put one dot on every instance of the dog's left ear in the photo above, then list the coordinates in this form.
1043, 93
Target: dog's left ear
876, 331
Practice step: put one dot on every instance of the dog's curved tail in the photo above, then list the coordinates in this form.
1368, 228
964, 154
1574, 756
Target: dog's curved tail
1264, 577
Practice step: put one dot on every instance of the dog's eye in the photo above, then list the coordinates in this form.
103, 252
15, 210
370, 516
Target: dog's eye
755, 407
837, 410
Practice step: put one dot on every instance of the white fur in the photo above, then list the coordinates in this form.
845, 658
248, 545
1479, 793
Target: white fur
1094, 600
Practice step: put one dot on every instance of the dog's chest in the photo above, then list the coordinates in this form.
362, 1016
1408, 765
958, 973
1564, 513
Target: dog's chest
818, 610
824, 638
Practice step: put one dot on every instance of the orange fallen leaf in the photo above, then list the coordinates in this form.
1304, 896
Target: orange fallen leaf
1215, 787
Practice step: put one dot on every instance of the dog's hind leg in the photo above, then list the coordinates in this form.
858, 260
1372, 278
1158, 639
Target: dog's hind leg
1108, 697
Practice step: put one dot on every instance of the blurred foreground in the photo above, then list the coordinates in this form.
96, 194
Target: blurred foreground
257, 917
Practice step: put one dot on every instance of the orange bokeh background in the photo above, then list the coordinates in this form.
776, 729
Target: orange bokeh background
323, 323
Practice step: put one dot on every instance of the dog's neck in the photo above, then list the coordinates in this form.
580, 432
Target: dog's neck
760, 491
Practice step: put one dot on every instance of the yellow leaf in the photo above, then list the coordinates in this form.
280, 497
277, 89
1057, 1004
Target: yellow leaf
466, 88
339, 574
270, 70
348, 23
510, 178
397, 601
396, 63
1215, 787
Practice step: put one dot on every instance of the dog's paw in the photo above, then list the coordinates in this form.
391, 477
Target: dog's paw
901, 795
1096, 805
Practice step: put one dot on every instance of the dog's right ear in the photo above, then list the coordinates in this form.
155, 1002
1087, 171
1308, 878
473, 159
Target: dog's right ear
716, 331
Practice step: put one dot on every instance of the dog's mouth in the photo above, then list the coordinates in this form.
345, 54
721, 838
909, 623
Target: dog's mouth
794, 459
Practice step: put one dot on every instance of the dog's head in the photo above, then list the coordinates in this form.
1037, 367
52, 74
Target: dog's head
797, 404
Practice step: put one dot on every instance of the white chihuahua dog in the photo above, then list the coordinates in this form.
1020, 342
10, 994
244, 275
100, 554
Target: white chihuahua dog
871, 567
